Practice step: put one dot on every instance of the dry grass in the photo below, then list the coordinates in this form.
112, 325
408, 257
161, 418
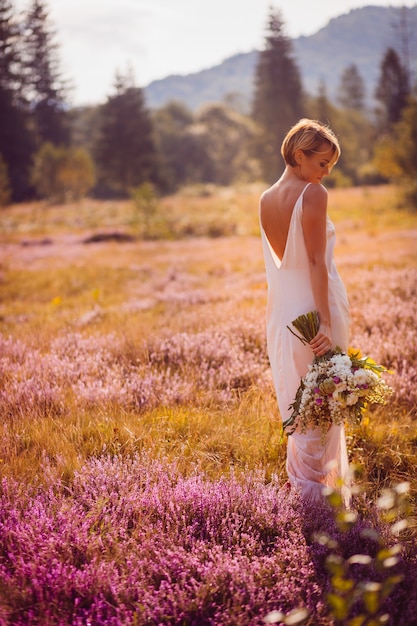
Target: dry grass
61, 284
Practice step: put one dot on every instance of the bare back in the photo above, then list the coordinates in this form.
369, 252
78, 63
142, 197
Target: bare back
276, 207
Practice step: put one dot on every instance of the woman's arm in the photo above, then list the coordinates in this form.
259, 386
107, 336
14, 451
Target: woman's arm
314, 229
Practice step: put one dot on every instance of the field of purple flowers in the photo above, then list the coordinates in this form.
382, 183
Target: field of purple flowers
133, 541
142, 470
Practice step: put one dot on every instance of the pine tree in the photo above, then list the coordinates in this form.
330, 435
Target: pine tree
392, 90
352, 89
16, 146
321, 105
278, 100
44, 87
124, 152
16, 140
9, 55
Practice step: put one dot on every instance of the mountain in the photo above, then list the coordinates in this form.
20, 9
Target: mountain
360, 37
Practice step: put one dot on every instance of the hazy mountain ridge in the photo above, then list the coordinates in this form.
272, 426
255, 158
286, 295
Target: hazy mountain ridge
360, 37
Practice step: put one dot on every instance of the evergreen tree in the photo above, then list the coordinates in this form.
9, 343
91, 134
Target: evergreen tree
16, 141
405, 30
16, 146
392, 90
321, 105
352, 89
125, 152
278, 99
9, 54
44, 87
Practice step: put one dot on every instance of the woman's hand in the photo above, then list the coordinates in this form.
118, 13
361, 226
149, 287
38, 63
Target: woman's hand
322, 342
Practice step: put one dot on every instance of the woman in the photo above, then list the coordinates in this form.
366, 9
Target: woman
298, 242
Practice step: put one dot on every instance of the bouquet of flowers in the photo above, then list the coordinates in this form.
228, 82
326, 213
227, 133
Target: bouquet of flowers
337, 387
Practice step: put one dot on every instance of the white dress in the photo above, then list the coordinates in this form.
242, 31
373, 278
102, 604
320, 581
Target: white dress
310, 463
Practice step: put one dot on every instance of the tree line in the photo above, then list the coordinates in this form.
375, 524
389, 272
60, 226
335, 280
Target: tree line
51, 150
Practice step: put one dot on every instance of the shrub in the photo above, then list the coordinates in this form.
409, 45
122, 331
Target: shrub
62, 174
135, 541
150, 220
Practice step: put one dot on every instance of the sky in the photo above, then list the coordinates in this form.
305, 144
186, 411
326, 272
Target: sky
157, 38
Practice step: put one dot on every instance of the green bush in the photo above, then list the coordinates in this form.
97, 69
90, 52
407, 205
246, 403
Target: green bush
62, 174
149, 219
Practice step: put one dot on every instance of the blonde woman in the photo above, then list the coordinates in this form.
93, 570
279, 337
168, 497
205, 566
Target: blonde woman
298, 242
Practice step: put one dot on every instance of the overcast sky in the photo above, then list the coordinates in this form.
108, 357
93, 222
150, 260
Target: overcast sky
162, 37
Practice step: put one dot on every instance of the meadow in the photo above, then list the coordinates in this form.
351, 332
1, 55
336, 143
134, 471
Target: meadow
141, 460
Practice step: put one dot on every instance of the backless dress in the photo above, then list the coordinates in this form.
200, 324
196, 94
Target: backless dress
311, 462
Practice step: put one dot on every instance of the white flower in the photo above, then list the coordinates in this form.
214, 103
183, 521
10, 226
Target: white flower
342, 362
361, 377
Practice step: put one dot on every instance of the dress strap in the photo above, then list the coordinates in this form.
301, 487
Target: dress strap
303, 191
299, 202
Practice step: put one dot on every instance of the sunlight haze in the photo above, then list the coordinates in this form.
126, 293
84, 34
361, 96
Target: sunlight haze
161, 37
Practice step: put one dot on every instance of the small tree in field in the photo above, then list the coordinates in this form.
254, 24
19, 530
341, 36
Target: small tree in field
152, 224
62, 174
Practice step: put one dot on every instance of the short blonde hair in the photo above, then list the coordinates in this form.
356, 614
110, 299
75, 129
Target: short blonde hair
308, 136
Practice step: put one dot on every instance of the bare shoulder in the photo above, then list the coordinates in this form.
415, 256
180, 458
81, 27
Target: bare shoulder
267, 202
268, 195
315, 197
316, 192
